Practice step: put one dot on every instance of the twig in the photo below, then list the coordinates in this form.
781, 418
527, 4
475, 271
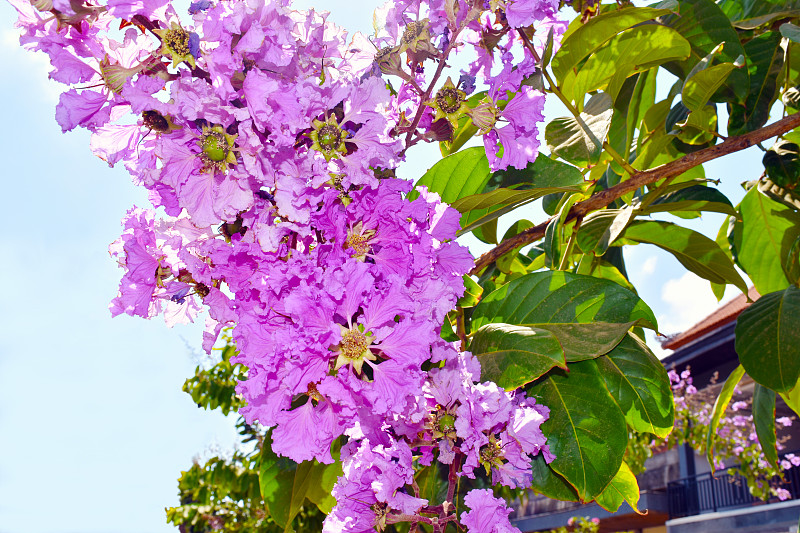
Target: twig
439, 69
640, 179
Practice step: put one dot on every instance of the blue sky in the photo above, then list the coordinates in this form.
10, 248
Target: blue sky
94, 428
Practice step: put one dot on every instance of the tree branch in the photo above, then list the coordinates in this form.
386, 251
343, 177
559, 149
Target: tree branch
668, 170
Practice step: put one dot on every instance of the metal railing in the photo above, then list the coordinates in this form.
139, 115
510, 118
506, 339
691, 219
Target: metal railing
724, 490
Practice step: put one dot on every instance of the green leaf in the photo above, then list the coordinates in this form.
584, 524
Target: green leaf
513, 356
561, 297
791, 266
792, 398
693, 250
764, 63
720, 405
693, 198
276, 479
323, 478
547, 482
601, 228
782, 163
698, 89
586, 430
543, 173
790, 31
642, 100
632, 51
623, 488
472, 293
768, 339
580, 140
639, 383
586, 341
552, 243
764, 419
432, 483
508, 189
768, 231
456, 176
548, 50
752, 22
504, 262
705, 26
591, 36
302, 483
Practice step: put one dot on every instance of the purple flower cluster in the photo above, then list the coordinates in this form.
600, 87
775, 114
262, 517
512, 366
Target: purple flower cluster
270, 140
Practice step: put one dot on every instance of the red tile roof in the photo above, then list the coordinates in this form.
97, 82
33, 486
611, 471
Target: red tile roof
724, 315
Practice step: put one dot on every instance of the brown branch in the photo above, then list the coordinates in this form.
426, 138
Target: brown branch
639, 179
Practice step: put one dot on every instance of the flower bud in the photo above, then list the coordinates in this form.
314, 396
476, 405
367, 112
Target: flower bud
388, 60
484, 115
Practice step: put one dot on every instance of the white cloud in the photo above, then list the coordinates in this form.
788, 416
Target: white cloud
649, 265
689, 300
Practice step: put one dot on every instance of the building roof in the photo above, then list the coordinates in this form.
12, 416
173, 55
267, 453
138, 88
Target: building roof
723, 315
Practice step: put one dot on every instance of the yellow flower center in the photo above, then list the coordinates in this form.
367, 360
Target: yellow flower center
353, 348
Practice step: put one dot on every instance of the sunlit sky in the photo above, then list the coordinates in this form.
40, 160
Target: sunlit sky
94, 428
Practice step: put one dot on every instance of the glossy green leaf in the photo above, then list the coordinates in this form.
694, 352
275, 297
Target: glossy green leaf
693, 250
705, 26
590, 36
479, 209
508, 189
588, 340
552, 243
580, 140
790, 31
694, 198
547, 482
586, 430
791, 265
548, 50
561, 297
432, 482
601, 268
323, 478
276, 479
456, 176
701, 87
487, 232
632, 51
764, 63
639, 383
554, 233
601, 228
623, 488
768, 231
303, 478
642, 100
504, 262
754, 22
768, 339
764, 420
472, 293
782, 163
543, 173
513, 356
792, 398
720, 405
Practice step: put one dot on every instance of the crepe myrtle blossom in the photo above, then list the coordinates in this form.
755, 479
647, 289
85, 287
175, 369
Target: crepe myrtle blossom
486, 514
271, 141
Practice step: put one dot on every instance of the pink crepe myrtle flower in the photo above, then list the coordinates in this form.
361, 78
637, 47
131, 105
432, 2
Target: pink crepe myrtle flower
487, 514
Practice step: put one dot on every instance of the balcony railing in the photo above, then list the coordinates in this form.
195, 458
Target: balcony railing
705, 493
